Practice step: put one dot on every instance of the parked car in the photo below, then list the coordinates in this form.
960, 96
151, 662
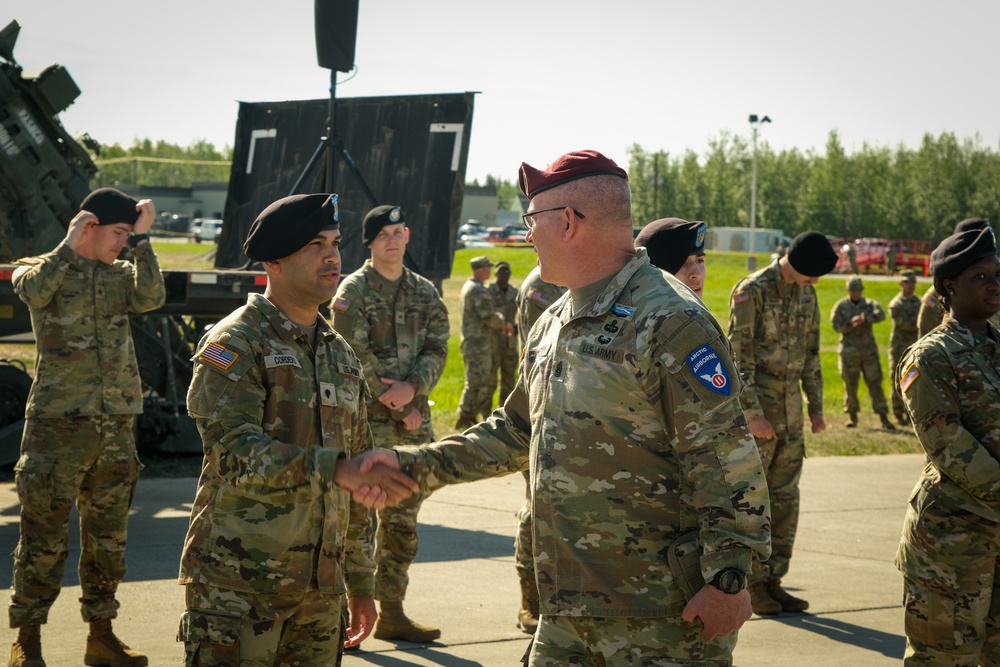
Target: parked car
206, 229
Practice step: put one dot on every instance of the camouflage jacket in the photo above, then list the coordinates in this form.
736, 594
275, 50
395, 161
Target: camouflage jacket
401, 334
861, 336
627, 417
904, 312
505, 303
533, 298
931, 312
274, 417
774, 330
950, 381
85, 359
480, 318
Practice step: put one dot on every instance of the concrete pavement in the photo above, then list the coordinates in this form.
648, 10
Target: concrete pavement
464, 580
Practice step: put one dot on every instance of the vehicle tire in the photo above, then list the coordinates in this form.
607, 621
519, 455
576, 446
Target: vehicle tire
15, 384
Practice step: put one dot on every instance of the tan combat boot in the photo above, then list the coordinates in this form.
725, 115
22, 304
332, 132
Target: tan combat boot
106, 650
852, 419
788, 602
26, 651
392, 623
527, 615
761, 602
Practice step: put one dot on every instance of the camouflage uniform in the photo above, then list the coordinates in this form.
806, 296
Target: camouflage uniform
399, 330
78, 445
774, 330
533, 298
932, 311
859, 352
950, 543
904, 312
269, 525
480, 322
506, 353
645, 479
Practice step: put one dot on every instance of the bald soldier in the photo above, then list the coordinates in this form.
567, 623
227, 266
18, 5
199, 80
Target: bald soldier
774, 329
852, 317
397, 324
648, 499
903, 309
275, 543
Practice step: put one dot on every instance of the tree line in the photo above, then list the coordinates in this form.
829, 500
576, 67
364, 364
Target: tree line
882, 192
160, 163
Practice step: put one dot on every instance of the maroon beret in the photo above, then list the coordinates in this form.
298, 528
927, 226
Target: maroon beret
566, 168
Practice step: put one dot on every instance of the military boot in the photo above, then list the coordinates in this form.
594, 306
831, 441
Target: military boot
26, 651
761, 602
527, 615
852, 420
392, 623
104, 649
886, 424
786, 600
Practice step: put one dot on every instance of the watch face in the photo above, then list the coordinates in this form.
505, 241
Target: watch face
730, 581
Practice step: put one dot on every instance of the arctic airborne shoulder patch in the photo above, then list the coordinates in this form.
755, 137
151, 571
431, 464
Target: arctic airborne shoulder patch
707, 366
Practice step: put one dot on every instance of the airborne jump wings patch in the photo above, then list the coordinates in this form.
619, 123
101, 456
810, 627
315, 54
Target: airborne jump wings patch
707, 366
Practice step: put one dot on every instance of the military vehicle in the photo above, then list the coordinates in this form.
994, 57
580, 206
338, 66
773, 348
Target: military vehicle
411, 149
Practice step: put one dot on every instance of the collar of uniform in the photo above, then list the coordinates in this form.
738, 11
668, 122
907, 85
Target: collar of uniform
288, 331
968, 335
610, 296
376, 279
76, 259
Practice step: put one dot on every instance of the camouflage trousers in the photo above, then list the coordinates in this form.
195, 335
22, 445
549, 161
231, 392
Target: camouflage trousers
90, 462
951, 586
524, 555
505, 358
855, 363
625, 642
895, 355
477, 394
397, 540
782, 458
226, 628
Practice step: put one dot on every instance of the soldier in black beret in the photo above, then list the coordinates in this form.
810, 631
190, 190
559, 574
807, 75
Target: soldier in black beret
379, 217
678, 247
289, 224
957, 253
811, 255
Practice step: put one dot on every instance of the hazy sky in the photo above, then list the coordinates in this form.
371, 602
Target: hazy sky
554, 75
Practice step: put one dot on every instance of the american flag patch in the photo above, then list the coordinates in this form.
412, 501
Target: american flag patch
341, 304
911, 374
740, 297
540, 298
217, 355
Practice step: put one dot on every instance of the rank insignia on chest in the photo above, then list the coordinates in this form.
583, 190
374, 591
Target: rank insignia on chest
341, 303
911, 374
219, 356
707, 366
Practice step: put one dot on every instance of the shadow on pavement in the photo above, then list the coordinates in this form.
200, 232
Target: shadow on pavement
889, 645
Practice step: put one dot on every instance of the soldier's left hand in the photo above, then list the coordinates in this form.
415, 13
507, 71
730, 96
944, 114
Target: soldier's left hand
399, 393
720, 613
413, 419
818, 425
362, 614
147, 214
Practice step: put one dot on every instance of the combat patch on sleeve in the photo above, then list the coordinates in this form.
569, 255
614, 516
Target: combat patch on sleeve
218, 356
707, 366
911, 374
341, 304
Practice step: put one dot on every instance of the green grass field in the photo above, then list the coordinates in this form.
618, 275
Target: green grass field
724, 270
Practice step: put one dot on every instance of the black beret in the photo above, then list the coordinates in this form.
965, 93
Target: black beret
111, 206
959, 251
971, 223
811, 254
288, 224
566, 168
379, 217
670, 241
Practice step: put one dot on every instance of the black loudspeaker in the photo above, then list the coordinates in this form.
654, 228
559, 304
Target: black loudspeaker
336, 33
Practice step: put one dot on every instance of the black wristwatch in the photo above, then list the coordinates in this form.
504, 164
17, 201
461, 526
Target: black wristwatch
730, 581
134, 239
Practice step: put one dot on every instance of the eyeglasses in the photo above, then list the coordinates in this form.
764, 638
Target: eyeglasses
529, 218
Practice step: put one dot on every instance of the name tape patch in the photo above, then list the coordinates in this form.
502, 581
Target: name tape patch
275, 360
707, 366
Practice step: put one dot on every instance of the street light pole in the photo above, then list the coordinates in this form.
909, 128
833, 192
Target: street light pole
755, 124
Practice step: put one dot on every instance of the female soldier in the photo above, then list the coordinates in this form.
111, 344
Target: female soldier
950, 382
678, 247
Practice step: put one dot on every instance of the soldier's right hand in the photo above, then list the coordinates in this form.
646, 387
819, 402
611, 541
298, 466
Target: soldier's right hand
374, 479
79, 228
762, 429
